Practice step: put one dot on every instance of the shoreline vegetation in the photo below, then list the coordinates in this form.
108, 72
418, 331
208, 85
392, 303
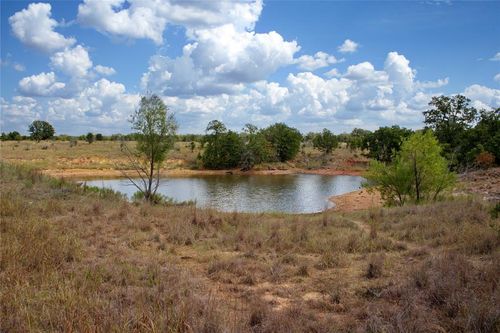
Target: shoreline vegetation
84, 259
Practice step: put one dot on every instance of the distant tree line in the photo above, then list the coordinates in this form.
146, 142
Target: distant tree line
469, 138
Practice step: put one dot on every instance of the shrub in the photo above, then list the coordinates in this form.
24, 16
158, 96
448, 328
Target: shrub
375, 266
485, 160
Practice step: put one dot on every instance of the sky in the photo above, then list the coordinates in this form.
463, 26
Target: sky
83, 65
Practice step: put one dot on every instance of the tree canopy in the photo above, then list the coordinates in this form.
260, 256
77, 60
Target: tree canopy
385, 142
325, 141
285, 140
223, 148
41, 130
449, 117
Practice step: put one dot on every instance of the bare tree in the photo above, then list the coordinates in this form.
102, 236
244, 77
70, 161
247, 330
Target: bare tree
155, 129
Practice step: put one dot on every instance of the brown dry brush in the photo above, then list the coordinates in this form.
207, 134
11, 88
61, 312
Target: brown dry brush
447, 293
82, 259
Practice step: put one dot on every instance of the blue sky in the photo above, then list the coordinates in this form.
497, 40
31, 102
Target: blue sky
312, 64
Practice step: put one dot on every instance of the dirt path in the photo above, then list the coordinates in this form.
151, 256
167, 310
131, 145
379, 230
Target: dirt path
364, 227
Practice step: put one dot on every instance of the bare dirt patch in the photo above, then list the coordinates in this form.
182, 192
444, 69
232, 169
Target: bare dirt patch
358, 200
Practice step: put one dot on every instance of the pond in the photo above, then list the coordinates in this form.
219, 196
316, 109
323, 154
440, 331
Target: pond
298, 193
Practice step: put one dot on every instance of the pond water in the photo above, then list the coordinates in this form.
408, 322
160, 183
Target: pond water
299, 193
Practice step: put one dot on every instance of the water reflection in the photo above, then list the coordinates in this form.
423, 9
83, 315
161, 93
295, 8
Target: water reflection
257, 193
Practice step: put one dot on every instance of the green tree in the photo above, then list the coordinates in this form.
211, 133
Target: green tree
325, 141
357, 137
89, 137
284, 139
13, 136
481, 139
155, 129
385, 142
256, 149
418, 173
41, 130
99, 137
223, 148
450, 118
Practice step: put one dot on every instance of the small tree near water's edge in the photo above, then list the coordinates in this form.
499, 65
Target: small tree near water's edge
418, 173
155, 128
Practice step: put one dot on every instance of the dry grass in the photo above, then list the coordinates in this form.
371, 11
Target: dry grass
98, 155
465, 225
79, 259
106, 155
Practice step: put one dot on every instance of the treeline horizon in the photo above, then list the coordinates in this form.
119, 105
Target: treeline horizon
468, 136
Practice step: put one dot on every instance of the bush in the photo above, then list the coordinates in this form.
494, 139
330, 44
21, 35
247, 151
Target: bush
375, 266
485, 160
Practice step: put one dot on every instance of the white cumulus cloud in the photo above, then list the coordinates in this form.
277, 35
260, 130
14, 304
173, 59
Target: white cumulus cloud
488, 97
74, 62
104, 70
348, 46
148, 19
34, 27
219, 60
318, 60
43, 84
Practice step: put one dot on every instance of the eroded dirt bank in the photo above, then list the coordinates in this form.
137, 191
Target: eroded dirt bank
357, 200
113, 173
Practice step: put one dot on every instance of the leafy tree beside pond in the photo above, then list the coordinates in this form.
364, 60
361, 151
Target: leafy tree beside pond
356, 138
418, 173
155, 129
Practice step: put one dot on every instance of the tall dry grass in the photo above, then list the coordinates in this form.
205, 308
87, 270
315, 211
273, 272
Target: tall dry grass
83, 259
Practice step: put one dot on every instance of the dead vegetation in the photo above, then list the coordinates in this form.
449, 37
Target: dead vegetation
83, 259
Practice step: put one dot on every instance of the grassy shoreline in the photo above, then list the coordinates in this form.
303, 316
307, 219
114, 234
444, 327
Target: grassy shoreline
86, 260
